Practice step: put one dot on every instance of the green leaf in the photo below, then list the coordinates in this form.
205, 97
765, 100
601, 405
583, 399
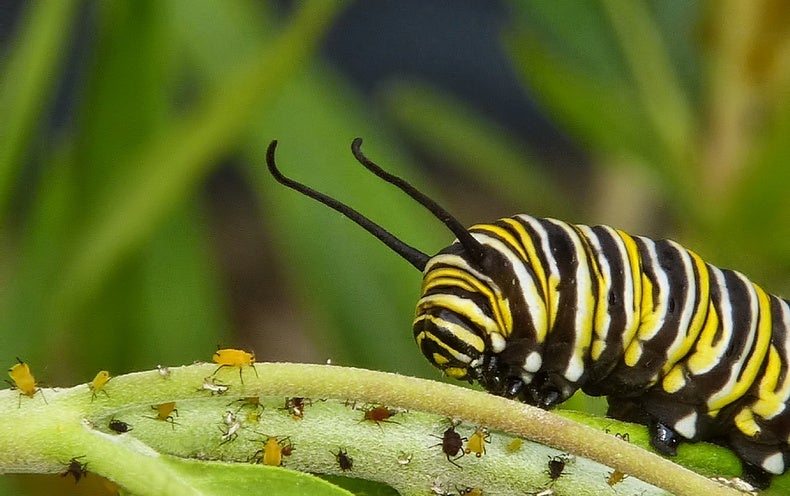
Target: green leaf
219, 478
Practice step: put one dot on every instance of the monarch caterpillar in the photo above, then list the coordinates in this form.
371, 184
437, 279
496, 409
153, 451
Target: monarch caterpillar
535, 309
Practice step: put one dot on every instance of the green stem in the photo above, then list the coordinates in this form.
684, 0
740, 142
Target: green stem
41, 437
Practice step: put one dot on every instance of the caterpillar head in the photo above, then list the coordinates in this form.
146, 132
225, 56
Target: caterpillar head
466, 340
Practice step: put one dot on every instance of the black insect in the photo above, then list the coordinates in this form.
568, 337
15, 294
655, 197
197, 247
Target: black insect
119, 426
345, 462
452, 445
535, 309
76, 469
556, 467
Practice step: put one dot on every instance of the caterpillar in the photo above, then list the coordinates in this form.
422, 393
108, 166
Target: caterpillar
536, 309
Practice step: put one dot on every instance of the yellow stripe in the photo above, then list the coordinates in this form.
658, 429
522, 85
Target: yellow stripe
458, 276
531, 255
506, 236
647, 320
451, 353
745, 423
460, 332
459, 305
635, 262
601, 315
698, 314
772, 401
755, 360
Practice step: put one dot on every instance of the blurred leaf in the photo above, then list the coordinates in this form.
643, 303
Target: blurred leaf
481, 149
28, 75
134, 207
361, 487
207, 478
661, 94
602, 115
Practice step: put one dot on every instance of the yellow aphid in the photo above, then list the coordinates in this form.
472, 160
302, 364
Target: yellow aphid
229, 357
165, 411
98, 383
477, 442
273, 451
514, 445
23, 380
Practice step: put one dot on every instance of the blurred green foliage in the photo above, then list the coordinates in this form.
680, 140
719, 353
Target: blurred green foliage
109, 258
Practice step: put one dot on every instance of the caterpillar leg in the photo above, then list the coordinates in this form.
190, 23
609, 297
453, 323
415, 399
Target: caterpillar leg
756, 475
664, 439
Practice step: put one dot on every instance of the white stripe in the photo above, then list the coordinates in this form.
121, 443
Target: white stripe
602, 332
662, 289
553, 274
536, 308
728, 327
583, 313
689, 305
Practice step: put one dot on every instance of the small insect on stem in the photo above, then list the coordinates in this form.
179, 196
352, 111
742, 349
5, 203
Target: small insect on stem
345, 462
76, 469
378, 414
118, 426
477, 442
254, 402
229, 357
452, 444
98, 383
556, 467
514, 445
615, 477
163, 371
231, 433
213, 386
23, 380
164, 412
404, 458
273, 451
296, 405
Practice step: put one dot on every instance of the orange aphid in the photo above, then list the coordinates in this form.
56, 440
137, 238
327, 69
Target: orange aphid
273, 451
164, 412
230, 357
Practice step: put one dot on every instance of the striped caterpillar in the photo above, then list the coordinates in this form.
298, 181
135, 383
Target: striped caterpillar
535, 309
